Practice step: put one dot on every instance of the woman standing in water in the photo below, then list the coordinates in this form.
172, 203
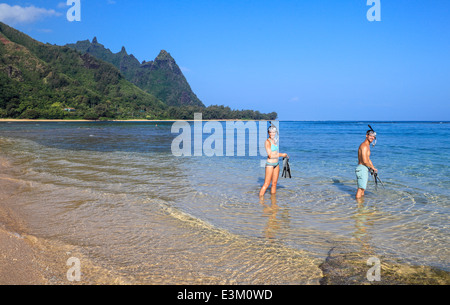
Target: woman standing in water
272, 164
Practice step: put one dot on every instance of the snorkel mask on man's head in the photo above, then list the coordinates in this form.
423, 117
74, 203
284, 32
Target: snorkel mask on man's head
372, 132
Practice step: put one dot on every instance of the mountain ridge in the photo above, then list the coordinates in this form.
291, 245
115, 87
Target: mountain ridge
161, 77
44, 81
41, 80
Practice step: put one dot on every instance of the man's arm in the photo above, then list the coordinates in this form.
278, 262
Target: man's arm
366, 158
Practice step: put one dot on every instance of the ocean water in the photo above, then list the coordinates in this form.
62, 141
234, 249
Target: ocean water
116, 192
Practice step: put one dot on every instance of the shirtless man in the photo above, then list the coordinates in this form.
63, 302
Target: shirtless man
364, 163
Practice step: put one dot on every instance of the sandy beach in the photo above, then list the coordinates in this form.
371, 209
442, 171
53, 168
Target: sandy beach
19, 256
24, 259
29, 260
19, 260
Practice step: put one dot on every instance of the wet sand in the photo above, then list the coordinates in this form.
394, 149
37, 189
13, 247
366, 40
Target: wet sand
24, 259
19, 256
18, 261
29, 260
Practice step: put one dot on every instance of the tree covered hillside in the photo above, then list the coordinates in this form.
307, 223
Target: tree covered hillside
57, 82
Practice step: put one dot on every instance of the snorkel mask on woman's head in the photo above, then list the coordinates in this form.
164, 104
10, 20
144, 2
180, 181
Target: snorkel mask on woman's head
273, 129
372, 132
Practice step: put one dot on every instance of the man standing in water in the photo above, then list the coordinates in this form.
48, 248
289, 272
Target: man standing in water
364, 163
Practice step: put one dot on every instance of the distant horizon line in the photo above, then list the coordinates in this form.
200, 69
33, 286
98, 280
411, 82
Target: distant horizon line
219, 120
364, 121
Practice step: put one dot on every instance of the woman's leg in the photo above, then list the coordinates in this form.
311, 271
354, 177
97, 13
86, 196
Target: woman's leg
269, 172
275, 175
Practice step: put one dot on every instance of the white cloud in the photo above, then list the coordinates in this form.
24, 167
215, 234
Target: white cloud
17, 14
45, 30
184, 69
62, 5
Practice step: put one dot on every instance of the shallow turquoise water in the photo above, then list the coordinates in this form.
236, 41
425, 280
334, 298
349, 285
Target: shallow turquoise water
116, 190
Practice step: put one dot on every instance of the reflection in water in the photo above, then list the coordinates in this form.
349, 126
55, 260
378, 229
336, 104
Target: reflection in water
270, 211
363, 221
276, 217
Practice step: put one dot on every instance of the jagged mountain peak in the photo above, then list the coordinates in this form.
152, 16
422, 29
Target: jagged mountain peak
161, 77
56, 78
164, 55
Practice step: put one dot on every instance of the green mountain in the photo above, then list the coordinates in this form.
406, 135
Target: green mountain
55, 82
161, 77
41, 80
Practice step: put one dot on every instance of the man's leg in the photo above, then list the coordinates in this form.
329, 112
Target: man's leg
359, 193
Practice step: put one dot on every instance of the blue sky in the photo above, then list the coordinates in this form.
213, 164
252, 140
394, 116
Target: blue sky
305, 59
